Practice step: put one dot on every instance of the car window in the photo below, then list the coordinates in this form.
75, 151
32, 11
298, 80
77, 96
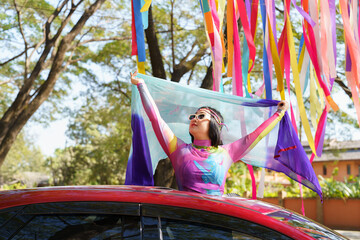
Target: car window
176, 220
306, 225
7, 214
67, 220
82, 226
163, 228
113, 220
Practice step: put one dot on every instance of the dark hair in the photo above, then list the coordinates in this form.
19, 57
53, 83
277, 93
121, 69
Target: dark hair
214, 128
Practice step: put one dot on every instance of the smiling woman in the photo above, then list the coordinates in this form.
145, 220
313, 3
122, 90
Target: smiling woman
202, 166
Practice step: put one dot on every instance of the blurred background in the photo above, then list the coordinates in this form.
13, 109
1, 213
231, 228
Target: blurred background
77, 131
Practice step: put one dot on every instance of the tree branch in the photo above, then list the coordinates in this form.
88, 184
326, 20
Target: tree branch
47, 87
103, 40
279, 10
36, 47
172, 33
343, 86
189, 78
24, 38
183, 67
52, 18
121, 91
13, 58
5, 82
66, 20
70, 60
189, 53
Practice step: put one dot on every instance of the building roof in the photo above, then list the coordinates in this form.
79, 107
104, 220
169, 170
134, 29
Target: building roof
335, 150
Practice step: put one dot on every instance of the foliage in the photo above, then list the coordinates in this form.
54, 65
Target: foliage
239, 182
100, 131
47, 43
331, 188
23, 157
13, 186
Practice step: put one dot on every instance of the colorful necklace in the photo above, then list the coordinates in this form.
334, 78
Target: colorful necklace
208, 148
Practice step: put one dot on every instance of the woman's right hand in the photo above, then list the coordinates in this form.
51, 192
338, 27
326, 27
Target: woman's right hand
134, 79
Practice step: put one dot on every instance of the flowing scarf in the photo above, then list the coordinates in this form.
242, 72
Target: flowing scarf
281, 151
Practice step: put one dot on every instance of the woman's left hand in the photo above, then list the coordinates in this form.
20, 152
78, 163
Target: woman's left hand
283, 105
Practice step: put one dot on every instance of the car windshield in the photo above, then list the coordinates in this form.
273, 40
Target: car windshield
306, 225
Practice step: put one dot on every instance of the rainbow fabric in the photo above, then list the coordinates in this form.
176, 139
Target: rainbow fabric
169, 107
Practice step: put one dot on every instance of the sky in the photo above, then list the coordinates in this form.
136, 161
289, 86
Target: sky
51, 137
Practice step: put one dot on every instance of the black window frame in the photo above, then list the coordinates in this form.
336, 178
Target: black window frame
139, 210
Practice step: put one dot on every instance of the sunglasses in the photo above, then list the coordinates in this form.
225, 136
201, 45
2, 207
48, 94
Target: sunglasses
200, 116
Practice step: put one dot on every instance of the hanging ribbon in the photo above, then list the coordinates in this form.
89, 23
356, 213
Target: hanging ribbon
278, 70
212, 25
137, 25
247, 33
312, 48
145, 6
230, 34
237, 69
353, 72
295, 72
266, 70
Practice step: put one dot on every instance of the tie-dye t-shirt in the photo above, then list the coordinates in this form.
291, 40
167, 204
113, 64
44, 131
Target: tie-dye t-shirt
200, 167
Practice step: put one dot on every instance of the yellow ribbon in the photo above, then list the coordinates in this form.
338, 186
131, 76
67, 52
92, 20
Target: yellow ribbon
276, 61
301, 58
312, 105
140, 66
298, 92
146, 6
319, 97
230, 37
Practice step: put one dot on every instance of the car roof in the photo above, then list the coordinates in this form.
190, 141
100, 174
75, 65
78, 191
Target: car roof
123, 193
251, 210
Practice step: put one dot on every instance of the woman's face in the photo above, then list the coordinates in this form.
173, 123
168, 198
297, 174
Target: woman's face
200, 124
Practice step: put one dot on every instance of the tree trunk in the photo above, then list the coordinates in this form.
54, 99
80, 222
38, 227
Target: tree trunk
26, 105
207, 82
165, 175
157, 63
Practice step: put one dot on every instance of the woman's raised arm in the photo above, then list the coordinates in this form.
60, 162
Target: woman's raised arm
165, 136
241, 147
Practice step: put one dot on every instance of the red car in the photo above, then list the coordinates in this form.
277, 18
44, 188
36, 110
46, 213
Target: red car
135, 212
